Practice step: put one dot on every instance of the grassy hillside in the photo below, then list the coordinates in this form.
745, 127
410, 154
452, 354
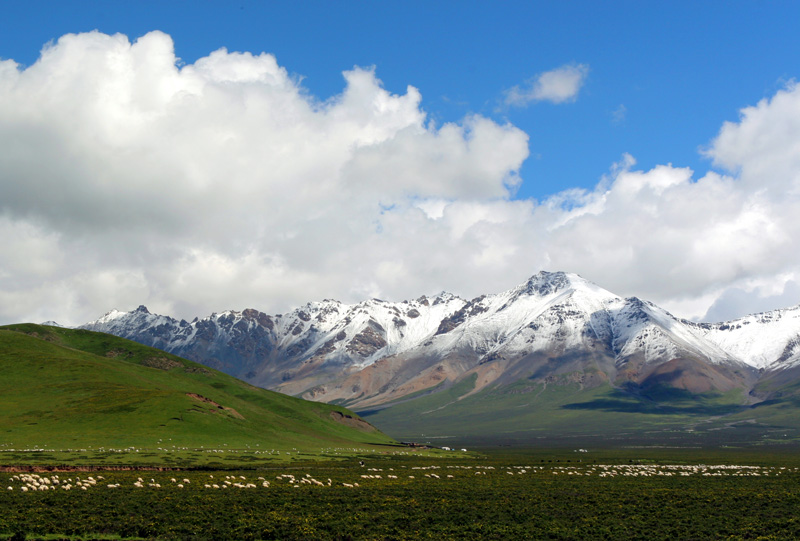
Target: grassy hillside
567, 413
70, 389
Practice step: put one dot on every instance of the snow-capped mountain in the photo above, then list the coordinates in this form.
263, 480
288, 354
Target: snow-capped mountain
553, 326
327, 336
768, 341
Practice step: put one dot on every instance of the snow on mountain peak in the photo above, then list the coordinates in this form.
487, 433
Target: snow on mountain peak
551, 311
112, 315
768, 340
546, 283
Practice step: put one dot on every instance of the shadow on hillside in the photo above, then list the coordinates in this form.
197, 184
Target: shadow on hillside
622, 403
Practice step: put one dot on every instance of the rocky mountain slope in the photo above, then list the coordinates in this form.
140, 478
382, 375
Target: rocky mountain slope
555, 326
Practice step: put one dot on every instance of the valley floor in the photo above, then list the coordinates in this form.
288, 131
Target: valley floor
535, 494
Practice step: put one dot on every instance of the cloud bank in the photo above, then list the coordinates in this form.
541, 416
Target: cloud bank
127, 180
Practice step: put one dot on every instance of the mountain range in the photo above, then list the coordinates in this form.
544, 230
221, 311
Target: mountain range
443, 362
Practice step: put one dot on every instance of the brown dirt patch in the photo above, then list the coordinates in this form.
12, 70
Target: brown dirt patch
201, 398
162, 363
353, 422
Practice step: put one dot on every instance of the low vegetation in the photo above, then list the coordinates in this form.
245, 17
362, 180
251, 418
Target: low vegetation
538, 494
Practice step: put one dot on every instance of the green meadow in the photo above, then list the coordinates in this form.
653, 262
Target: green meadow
73, 393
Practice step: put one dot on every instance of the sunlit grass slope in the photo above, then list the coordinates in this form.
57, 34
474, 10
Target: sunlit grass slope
65, 388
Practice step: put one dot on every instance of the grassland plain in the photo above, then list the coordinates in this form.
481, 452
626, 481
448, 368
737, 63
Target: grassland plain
535, 494
531, 413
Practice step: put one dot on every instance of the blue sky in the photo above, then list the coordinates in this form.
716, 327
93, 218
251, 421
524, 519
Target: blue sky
541, 135
662, 76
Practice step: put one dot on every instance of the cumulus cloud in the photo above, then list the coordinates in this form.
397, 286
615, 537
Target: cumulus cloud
763, 147
220, 183
126, 179
556, 86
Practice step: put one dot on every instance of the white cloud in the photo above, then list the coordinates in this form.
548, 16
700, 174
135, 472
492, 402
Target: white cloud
618, 115
764, 146
556, 86
221, 183
127, 180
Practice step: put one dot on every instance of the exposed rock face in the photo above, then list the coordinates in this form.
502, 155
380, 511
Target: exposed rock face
555, 326
368, 341
259, 317
451, 322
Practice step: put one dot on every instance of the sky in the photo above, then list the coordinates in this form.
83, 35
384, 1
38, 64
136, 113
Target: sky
203, 156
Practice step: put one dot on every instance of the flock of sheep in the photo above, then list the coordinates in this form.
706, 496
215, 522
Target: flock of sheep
31, 482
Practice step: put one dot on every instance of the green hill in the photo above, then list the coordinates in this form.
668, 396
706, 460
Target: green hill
72, 389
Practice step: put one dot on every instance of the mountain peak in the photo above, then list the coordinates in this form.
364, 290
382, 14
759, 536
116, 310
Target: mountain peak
546, 283
443, 296
142, 309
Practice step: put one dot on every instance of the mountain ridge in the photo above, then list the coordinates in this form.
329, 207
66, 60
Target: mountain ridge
554, 328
